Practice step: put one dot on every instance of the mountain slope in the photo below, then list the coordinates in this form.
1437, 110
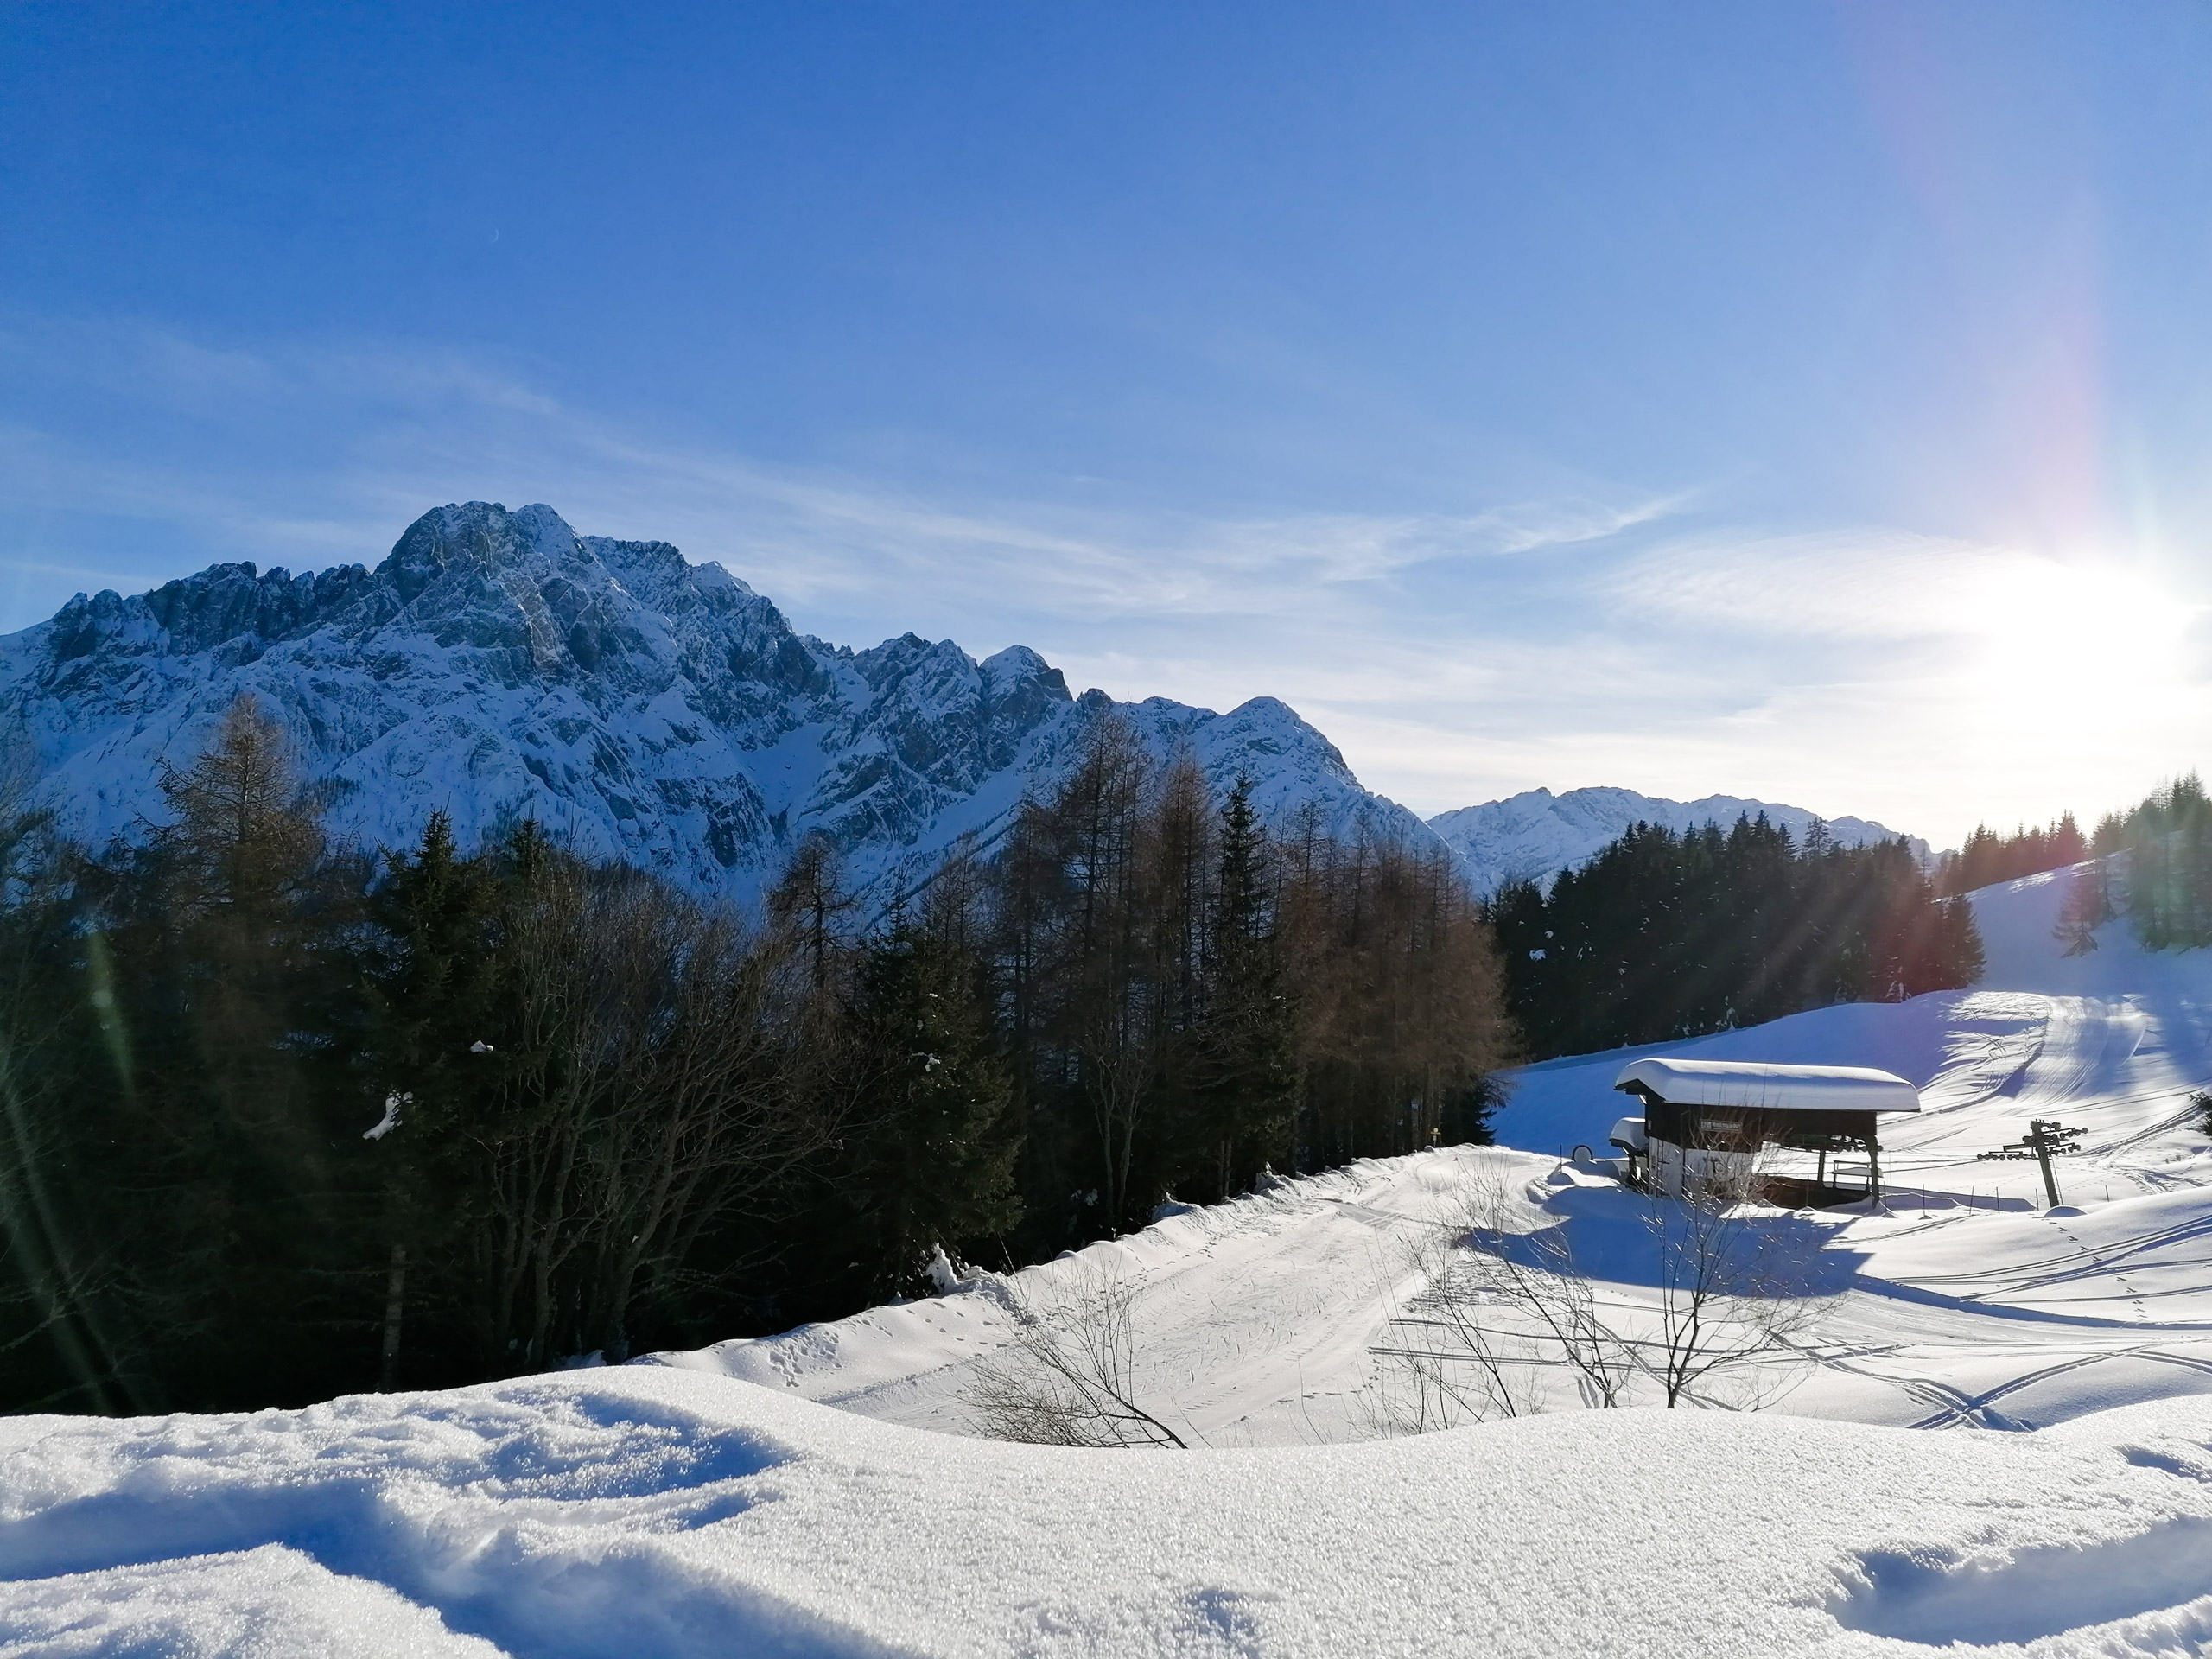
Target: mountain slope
1537, 835
498, 666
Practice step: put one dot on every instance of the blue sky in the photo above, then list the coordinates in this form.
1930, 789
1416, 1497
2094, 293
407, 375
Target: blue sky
1802, 400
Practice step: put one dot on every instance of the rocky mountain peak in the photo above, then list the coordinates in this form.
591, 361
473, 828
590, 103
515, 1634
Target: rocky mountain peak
498, 666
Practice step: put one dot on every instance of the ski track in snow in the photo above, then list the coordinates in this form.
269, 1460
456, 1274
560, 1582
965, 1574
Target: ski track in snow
783, 1495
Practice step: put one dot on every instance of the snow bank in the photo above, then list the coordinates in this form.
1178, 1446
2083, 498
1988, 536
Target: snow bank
651, 1511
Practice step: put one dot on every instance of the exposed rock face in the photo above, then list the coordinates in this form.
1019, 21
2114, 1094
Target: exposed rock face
1534, 836
498, 666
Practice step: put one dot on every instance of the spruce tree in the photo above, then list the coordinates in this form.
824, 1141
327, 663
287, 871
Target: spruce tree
933, 1157
2082, 909
1245, 1072
436, 990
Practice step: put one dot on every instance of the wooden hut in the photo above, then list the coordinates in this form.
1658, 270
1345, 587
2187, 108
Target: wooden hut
1708, 1120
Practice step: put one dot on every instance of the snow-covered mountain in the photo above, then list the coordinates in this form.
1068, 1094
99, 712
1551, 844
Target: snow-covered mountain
1537, 835
498, 665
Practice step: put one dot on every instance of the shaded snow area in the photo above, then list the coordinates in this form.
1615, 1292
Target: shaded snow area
651, 1511
1993, 1429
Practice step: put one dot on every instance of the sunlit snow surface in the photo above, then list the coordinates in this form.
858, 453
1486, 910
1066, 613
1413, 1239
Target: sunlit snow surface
785, 1495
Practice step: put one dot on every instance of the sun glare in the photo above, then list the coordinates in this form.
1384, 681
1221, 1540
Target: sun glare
2074, 648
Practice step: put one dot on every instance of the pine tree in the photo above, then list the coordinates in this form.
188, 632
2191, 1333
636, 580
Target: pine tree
436, 991
1244, 1089
934, 1159
226, 957
2084, 907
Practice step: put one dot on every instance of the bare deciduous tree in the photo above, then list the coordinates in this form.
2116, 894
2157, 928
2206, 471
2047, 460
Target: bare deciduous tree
1733, 1289
644, 1098
1499, 1306
1069, 1376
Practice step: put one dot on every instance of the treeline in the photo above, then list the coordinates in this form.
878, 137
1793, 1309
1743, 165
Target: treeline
284, 1119
2165, 871
1666, 935
1986, 857
2153, 862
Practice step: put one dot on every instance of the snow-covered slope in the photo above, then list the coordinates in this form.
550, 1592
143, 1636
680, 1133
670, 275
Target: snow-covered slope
2115, 1039
784, 1495
1534, 836
1261, 1322
498, 666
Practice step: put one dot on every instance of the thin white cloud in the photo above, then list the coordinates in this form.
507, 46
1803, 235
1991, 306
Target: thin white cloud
1453, 657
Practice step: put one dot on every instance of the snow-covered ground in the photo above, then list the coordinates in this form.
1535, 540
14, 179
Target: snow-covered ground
1963, 1302
786, 1495
645, 1512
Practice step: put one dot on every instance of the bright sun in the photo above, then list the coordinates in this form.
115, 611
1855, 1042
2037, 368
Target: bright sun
2074, 648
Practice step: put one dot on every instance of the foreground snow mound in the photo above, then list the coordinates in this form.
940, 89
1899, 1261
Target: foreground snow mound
658, 1512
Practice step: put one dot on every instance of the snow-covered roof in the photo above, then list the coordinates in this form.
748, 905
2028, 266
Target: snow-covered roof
1771, 1087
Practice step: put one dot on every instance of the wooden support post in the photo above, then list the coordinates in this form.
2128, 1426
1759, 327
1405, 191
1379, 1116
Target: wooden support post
2040, 1137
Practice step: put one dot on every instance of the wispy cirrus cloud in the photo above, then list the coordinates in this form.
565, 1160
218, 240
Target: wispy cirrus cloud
395, 433
1861, 584
1591, 634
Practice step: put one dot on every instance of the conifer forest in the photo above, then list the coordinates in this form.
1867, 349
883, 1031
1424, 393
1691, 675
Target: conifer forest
1667, 935
286, 1118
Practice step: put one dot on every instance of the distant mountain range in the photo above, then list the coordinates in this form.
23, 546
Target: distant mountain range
497, 665
1535, 835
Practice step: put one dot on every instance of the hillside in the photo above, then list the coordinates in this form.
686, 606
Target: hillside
1534, 835
785, 1495
1260, 1318
498, 666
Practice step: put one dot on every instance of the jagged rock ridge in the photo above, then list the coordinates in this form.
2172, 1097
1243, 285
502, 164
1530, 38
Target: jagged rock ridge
1533, 836
498, 666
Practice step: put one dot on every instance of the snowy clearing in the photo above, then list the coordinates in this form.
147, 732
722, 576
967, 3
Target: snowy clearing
779, 1494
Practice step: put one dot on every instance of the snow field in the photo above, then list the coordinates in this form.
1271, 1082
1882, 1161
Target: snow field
2113, 1042
653, 1511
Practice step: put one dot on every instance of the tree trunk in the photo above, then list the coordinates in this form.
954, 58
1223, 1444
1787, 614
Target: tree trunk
394, 1291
